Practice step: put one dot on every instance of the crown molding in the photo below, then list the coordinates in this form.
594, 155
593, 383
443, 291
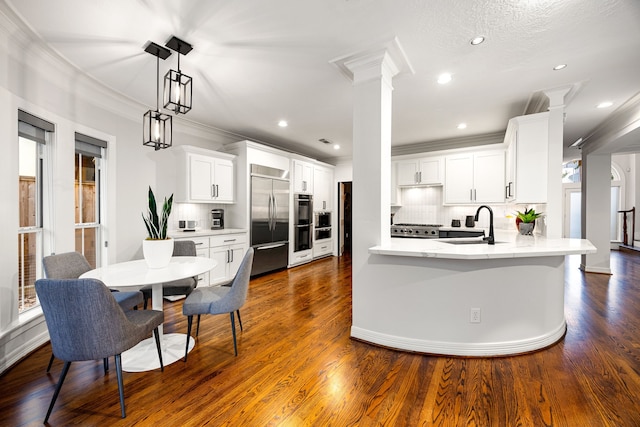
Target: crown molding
448, 144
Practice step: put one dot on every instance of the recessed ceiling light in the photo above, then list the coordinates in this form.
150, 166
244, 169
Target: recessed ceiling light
336, 147
605, 104
462, 126
444, 78
283, 123
477, 40
560, 67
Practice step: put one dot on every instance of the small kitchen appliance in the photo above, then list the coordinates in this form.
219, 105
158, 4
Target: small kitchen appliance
217, 219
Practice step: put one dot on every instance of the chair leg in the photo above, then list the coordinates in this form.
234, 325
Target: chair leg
105, 362
146, 302
50, 362
198, 326
233, 330
63, 374
120, 385
156, 334
186, 348
239, 319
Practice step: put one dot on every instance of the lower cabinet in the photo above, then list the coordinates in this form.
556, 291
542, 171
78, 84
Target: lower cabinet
300, 257
322, 248
228, 251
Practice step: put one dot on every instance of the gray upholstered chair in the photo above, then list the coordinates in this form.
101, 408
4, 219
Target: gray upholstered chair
71, 265
219, 300
86, 323
181, 286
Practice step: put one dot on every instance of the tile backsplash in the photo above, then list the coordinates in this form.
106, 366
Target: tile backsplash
200, 212
423, 205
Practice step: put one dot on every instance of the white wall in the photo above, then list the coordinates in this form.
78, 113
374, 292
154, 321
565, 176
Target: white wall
37, 81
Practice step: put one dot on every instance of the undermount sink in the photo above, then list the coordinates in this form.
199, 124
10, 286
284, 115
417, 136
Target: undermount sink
466, 242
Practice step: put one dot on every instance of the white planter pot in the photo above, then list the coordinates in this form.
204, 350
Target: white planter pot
157, 253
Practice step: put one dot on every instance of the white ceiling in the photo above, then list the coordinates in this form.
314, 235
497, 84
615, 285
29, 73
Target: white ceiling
255, 62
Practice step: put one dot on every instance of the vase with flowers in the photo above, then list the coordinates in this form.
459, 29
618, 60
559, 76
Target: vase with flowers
157, 248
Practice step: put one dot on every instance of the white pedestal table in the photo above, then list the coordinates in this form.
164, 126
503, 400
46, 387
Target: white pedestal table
135, 274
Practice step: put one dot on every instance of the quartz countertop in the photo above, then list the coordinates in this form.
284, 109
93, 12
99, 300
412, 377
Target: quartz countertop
204, 232
509, 244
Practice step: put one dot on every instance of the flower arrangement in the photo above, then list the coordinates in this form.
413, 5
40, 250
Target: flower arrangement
157, 225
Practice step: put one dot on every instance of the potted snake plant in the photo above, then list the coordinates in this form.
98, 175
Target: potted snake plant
157, 248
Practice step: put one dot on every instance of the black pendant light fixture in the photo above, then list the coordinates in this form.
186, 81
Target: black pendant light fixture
157, 127
177, 86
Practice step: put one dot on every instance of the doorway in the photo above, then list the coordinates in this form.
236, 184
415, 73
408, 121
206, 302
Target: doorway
344, 218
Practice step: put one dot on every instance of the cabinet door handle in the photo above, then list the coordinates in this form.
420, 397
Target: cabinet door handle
471, 194
324, 204
213, 191
475, 195
230, 240
199, 244
420, 177
415, 177
231, 254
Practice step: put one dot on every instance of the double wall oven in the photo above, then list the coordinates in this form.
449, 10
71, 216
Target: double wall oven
322, 225
302, 222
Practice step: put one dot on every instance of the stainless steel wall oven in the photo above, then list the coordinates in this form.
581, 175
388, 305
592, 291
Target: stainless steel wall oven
302, 221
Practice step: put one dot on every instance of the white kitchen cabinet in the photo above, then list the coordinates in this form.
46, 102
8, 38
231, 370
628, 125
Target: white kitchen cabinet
202, 250
527, 158
322, 188
322, 248
302, 177
419, 171
300, 257
472, 178
209, 179
227, 250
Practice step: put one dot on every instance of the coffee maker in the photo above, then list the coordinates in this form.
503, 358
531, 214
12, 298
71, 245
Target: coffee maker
217, 219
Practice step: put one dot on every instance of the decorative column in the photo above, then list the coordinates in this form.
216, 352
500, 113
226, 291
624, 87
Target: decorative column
596, 211
553, 214
371, 73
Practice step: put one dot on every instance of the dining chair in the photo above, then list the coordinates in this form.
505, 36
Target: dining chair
86, 323
219, 300
71, 265
181, 286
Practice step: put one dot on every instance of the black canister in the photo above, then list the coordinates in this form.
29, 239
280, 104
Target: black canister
455, 223
470, 221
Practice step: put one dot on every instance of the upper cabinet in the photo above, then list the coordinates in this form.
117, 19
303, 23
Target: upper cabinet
210, 179
527, 158
302, 177
322, 186
421, 171
205, 176
475, 178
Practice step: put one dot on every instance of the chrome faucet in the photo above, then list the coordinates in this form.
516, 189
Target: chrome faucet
490, 239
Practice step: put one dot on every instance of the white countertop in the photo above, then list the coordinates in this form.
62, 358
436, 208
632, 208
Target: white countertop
177, 234
509, 244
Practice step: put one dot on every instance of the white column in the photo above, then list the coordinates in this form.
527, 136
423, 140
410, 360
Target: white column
371, 73
596, 211
554, 166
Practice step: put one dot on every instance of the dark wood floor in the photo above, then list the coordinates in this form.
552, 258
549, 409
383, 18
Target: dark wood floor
297, 366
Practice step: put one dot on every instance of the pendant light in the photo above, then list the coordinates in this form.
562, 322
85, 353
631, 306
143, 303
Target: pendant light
177, 86
157, 127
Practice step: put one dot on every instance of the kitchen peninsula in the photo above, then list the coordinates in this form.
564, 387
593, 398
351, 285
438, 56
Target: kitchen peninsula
466, 298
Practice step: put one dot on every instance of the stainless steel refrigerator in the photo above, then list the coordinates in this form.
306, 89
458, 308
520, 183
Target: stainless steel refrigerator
269, 218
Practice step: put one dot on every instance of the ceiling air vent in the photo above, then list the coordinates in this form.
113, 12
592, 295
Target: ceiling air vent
324, 141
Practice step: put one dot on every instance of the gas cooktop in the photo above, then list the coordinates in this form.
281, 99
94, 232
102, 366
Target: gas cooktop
421, 231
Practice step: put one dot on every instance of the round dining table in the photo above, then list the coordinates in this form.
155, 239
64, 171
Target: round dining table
135, 274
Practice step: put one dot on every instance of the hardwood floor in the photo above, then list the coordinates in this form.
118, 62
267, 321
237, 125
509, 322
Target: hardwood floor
297, 366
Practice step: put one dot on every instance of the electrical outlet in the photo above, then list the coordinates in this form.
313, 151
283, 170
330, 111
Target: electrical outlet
474, 315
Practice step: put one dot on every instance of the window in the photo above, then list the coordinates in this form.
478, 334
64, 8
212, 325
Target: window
88, 157
33, 136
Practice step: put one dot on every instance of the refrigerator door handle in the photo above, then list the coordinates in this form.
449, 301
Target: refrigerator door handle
269, 213
261, 248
